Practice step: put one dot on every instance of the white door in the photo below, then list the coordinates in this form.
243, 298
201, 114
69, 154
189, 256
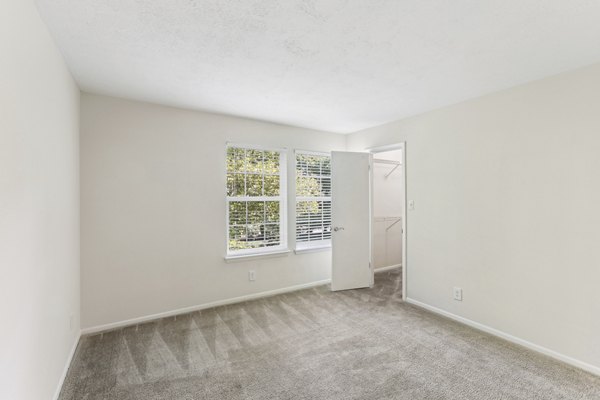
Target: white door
351, 220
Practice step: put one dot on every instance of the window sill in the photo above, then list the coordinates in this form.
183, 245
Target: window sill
248, 257
315, 249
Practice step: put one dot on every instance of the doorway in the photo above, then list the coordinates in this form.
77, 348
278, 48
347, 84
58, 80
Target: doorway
389, 215
365, 239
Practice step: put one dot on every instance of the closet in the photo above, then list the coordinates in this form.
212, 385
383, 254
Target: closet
388, 198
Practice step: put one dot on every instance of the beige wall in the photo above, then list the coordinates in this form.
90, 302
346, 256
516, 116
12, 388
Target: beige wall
153, 209
39, 207
507, 206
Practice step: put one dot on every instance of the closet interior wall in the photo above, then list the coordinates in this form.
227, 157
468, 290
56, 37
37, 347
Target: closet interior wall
387, 209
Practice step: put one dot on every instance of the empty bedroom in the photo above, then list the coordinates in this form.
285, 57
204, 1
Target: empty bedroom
299, 199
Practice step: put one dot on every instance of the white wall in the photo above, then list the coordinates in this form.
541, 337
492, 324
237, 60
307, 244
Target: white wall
153, 209
388, 199
39, 207
507, 194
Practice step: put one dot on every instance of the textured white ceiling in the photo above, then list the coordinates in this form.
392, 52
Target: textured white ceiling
336, 65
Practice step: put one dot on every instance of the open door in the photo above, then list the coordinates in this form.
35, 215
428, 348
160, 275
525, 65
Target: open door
351, 220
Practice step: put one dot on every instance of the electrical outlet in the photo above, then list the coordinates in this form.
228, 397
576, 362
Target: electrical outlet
251, 276
411, 205
458, 295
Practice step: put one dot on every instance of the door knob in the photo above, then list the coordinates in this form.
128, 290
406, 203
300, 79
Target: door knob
338, 228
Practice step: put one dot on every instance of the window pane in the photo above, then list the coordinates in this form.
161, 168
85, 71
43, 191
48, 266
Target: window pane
256, 235
313, 220
307, 186
271, 163
306, 207
271, 185
272, 211
235, 159
256, 212
235, 185
326, 166
237, 213
254, 185
272, 235
254, 161
326, 187
237, 237
301, 168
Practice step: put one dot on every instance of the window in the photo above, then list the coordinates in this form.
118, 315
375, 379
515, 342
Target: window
255, 200
313, 200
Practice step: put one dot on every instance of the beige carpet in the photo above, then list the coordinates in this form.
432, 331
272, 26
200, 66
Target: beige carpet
315, 344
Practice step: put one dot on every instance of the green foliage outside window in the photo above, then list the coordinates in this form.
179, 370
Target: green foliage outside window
253, 173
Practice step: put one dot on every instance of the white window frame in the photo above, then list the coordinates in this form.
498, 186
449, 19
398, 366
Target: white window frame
282, 199
302, 246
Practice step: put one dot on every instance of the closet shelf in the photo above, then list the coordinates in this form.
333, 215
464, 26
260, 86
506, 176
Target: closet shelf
393, 220
396, 164
393, 223
386, 218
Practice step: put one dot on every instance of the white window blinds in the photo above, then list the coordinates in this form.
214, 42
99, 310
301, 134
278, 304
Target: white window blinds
313, 199
256, 189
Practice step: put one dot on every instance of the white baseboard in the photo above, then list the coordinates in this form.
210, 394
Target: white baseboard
388, 268
66, 369
185, 310
532, 346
